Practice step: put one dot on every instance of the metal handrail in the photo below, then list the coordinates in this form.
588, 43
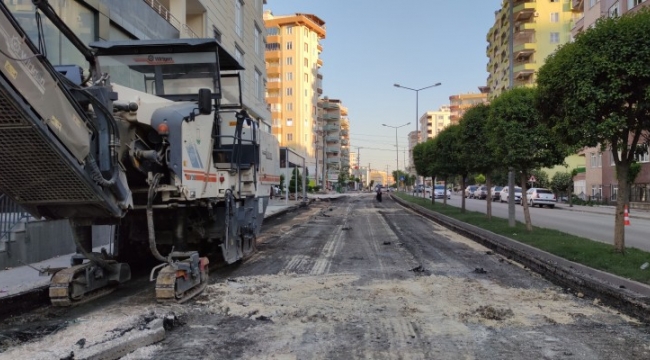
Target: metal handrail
10, 215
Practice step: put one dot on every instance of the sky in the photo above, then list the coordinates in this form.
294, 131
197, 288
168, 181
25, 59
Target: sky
371, 45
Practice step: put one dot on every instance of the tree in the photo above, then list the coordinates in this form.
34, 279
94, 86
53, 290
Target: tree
447, 154
295, 177
476, 147
595, 91
562, 183
519, 140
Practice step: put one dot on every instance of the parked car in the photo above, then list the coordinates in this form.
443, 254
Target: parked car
505, 195
439, 192
540, 197
480, 192
496, 193
469, 191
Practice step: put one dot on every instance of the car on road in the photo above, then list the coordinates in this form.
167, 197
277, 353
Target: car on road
439, 192
469, 191
480, 192
496, 193
505, 195
540, 197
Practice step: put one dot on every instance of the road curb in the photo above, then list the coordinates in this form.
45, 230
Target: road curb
632, 216
630, 297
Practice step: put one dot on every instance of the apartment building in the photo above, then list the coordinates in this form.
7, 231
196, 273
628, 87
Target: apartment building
294, 83
598, 181
237, 26
412, 141
433, 122
539, 27
458, 104
333, 158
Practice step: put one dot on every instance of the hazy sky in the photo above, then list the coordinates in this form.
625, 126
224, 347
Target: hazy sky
370, 45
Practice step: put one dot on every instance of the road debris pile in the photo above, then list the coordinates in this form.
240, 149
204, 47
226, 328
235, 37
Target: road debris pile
110, 335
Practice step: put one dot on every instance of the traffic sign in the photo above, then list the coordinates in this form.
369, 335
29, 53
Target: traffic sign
532, 179
401, 178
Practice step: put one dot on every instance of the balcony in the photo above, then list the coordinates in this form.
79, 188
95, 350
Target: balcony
329, 105
345, 142
344, 133
524, 70
332, 139
578, 25
333, 160
332, 149
273, 86
525, 11
578, 5
524, 49
332, 127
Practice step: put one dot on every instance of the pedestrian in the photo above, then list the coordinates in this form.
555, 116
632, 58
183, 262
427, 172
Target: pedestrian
272, 191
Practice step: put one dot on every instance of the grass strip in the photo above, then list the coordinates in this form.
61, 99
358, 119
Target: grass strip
575, 248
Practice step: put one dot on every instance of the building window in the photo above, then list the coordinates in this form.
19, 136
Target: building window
306, 48
555, 17
289, 91
594, 161
642, 158
273, 30
614, 10
259, 89
239, 18
289, 106
258, 40
306, 62
289, 60
306, 31
289, 45
289, 122
306, 77
600, 159
614, 192
596, 191
555, 37
592, 3
633, 3
290, 76
273, 47
216, 34
290, 29
289, 137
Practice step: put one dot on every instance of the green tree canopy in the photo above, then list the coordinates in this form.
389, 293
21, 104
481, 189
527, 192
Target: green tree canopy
519, 139
595, 91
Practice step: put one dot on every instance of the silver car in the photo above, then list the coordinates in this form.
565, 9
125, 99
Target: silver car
540, 197
505, 195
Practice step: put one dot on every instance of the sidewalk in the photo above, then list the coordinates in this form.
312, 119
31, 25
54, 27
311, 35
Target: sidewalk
604, 210
24, 278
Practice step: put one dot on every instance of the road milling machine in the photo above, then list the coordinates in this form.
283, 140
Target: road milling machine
151, 137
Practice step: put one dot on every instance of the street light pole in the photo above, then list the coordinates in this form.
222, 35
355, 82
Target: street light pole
396, 150
417, 110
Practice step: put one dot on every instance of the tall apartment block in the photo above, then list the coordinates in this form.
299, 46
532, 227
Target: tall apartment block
294, 83
236, 24
458, 104
412, 141
334, 142
539, 27
433, 122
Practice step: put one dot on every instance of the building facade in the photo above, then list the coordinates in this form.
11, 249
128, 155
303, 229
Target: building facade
539, 27
294, 83
334, 130
433, 122
412, 141
458, 104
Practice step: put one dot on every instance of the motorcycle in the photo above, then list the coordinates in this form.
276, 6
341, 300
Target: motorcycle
379, 195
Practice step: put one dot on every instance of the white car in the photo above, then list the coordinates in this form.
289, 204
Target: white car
505, 195
440, 192
540, 197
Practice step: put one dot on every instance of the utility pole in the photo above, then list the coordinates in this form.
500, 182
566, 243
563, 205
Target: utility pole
511, 59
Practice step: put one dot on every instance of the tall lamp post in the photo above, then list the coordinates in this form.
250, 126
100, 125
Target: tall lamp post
396, 149
417, 110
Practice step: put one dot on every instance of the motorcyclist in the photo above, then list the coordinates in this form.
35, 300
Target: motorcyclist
379, 194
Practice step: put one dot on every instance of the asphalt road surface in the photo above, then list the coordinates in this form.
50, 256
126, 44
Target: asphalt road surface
597, 227
355, 278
